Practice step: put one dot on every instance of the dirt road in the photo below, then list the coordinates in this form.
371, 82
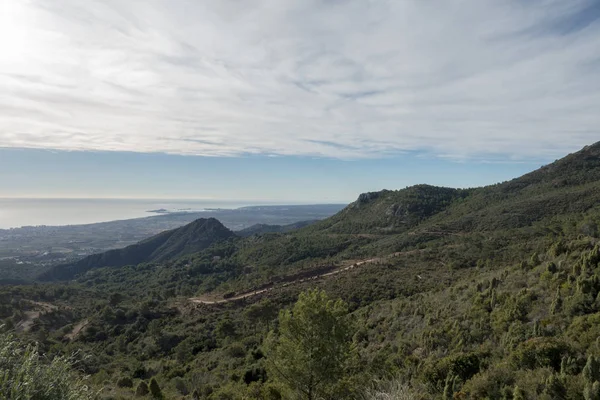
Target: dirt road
346, 268
29, 317
77, 329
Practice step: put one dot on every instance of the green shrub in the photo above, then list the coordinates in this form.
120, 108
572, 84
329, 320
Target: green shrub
490, 384
539, 352
125, 382
142, 389
463, 366
25, 375
236, 350
394, 390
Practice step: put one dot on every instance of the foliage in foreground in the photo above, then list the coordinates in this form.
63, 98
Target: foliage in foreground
24, 375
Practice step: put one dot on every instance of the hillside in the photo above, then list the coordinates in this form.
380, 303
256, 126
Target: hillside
168, 245
485, 293
569, 185
259, 229
394, 221
392, 211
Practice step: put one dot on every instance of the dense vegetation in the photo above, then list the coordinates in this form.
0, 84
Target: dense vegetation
259, 229
25, 375
470, 294
189, 239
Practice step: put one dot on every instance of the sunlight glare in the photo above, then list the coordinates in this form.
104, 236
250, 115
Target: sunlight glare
14, 31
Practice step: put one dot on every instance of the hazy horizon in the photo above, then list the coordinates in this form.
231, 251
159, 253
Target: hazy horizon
15, 213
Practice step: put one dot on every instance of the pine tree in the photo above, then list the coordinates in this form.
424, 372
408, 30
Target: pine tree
536, 328
556, 305
449, 387
155, 389
142, 389
314, 343
554, 387
591, 391
591, 371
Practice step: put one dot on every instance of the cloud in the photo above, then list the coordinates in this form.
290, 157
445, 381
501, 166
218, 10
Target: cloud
344, 79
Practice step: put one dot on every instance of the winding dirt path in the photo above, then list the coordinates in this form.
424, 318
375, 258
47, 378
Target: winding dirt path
212, 300
29, 317
77, 329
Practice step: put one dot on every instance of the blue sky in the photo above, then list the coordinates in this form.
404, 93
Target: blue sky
305, 100
35, 173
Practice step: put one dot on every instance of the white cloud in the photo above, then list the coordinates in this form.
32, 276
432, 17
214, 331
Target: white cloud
471, 79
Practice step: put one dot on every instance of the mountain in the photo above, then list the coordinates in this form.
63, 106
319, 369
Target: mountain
259, 229
569, 185
483, 293
188, 239
392, 211
390, 221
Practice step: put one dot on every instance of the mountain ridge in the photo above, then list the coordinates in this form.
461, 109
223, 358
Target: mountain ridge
191, 238
259, 229
397, 211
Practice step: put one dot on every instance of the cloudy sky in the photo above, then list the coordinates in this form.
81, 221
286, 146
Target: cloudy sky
356, 94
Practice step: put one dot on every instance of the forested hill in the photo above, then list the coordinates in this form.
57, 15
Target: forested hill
259, 229
485, 293
188, 239
392, 211
568, 185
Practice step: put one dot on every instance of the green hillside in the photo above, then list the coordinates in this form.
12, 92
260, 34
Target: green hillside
168, 245
392, 212
484, 293
260, 229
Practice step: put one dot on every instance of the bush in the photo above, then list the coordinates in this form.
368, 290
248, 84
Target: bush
491, 383
394, 390
25, 375
540, 352
142, 389
236, 350
463, 366
180, 386
125, 382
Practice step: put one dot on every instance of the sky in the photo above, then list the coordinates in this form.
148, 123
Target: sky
305, 100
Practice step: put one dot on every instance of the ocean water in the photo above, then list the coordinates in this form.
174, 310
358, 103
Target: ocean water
33, 212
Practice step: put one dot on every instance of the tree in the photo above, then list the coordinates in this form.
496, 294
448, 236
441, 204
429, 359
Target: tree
155, 389
142, 389
225, 329
313, 347
592, 391
262, 312
591, 374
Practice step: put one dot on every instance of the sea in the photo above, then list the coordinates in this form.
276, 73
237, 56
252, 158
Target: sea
16, 213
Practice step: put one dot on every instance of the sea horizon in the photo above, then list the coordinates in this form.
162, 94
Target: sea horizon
31, 211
